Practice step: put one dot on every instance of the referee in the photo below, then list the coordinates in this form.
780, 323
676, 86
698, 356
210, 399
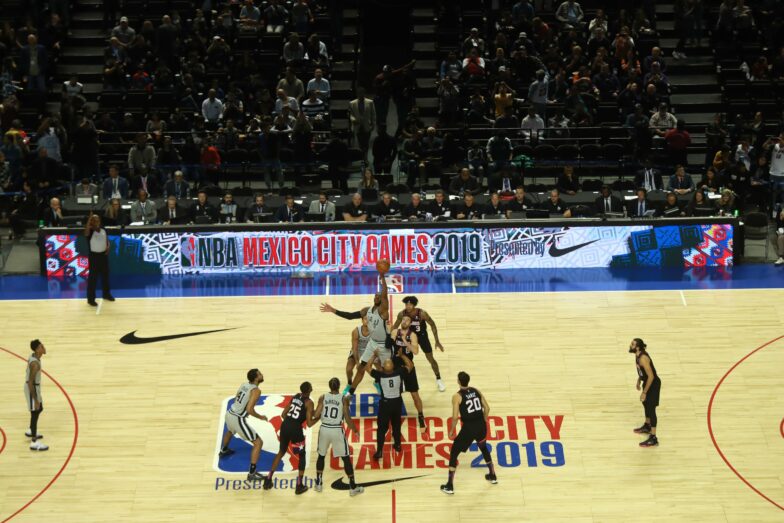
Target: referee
647, 380
390, 410
98, 258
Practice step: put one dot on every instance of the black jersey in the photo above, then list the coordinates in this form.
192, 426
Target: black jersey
641, 371
417, 323
471, 405
400, 343
297, 411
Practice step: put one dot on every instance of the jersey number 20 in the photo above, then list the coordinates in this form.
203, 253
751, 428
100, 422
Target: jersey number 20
474, 405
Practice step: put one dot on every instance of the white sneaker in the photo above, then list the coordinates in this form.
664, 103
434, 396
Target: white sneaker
318, 487
359, 490
441, 386
780, 261
37, 445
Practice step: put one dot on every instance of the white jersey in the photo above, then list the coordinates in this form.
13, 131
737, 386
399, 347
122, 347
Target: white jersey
240, 405
777, 161
363, 340
377, 325
31, 398
37, 378
332, 415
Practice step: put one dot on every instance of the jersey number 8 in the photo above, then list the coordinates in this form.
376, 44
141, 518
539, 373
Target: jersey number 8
474, 405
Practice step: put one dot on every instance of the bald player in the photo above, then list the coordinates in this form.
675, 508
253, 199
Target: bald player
420, 319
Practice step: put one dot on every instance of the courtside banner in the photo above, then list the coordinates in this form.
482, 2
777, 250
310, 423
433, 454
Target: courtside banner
676, 245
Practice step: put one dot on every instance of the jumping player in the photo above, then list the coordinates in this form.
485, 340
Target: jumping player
379, 342
359, 340
244, 406
473, 409
298, 412
334, 409
32, 391
406, 342
420, 319
648, 380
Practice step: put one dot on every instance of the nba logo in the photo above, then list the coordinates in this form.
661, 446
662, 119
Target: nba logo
188, 251
271, 406
394, 283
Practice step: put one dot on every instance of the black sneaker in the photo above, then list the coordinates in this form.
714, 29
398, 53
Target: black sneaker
644, 429
225, 452
108, 297
267, 483
301, 489
397, 447
92, 303
652, 441
491, 478
422, 426
256, 476
378, 455
447, 489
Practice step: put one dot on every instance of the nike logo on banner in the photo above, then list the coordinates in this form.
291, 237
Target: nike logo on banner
339, 484
132, 339
555, 252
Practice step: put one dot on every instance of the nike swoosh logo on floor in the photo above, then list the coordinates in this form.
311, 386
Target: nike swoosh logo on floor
339, 484
132, 339
555, 252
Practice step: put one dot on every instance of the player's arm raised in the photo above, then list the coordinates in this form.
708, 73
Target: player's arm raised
347, 414
326, 307
398, 320
429, 320
406, 362
34, 368
251, 407
455, 414
384, 307
310, 416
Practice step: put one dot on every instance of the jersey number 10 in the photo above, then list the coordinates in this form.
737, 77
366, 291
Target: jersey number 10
331, 412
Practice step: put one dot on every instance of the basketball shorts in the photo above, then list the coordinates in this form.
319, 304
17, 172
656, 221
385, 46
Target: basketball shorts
372, 346
652, 398
410, 381
470, 432
291, 435
30, 400
424, 342
240, 426
334, 437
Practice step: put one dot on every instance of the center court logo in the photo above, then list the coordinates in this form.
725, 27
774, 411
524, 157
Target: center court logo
513, 440
271, 406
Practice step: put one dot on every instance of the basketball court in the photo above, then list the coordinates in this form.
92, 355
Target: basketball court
134, 427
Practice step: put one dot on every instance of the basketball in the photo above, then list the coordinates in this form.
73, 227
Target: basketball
382, 266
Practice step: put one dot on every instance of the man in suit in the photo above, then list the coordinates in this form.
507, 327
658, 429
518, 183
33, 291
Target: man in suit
177, 187
387, 206
172, 214
362, 114
86, 189
144, 181
258, 207
33, 61
203, 208
649, 178
115, 186
641, 205
53, 216
680, 182
323, 206
504, 181
143, 210
607, 202
290, 212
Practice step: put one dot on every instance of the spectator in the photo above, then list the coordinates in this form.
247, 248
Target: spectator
504, 182
698, 204
218, 56
284, 100
387, 206
499, 152
115, 186
570, 12
662, 120
72, 87
258, 207
677, 141
166, 40
319, 84
716, 137
606, 83
520, 203
494, 208
508, 120
354, 211
323, 206
85, 188
639, 206
143, 210
451, 67
555, 205
725, 206
568, 182
203, 208
362, 115
141, 155
712, 182
302, 16
384, 151
115, 52
47, 139
744, 153
463, 182
178, 187
416, 210
124, 33
440, 205
33, 61
474, 41
115, 215
210, 162
275, 16
477, 161
474, 66
598, 27
532, 126
607, 203
672, 207
313, 106
144, 180
656, 56
448, 102
502, 98
171, 213
649, 178
680, 182
293, 51
316, 52
212, 109
250, 17
368, 181
168, 159
44, 172
468, 209
228, 209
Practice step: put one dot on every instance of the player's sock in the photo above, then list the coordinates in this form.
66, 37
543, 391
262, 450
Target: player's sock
318, 477
450, 477
438, 375
491, 468
299, 480
351, 482
252, 468
421, 418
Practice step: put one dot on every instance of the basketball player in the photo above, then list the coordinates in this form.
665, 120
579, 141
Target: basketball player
420, 319
648, 380
390, 408
245, 405
334, 409
359, 339
298, 412
379, 342
406, 342
32, 390
473, 410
